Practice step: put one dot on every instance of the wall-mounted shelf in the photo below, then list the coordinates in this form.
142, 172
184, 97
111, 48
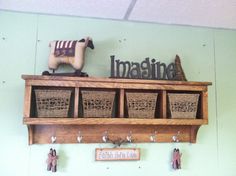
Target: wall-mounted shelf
119, 124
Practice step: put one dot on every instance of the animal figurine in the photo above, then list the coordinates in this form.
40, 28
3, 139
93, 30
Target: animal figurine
68, 52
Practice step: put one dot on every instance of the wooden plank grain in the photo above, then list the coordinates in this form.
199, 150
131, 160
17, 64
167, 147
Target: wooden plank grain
112, 80
121, 103
112, 121
76, 103
93, 134
163, 105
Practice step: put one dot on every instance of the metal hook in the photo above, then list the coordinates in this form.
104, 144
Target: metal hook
79, 137
129, 137
53, 139
153, 136
105, 137
175, 138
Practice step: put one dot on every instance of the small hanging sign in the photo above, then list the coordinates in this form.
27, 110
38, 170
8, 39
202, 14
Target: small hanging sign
117, 154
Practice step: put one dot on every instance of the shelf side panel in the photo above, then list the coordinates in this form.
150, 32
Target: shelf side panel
204, 105
27, 101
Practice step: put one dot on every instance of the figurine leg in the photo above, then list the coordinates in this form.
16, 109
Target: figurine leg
46, 73
78, 72
49, 167
54, 168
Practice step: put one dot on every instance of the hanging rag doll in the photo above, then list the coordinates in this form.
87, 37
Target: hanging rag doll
176, 159
49, 160
52, 160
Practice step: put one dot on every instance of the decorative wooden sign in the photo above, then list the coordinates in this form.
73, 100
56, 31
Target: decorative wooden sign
117, 154
147, 69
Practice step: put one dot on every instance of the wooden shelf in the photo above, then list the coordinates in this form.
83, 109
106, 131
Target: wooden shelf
112, 121
119, 125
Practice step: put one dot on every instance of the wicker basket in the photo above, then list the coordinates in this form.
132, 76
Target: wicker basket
141, 105
183, 105
52, 103
97, 103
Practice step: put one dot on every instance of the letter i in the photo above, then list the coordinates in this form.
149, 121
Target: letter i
153, 68
112, 66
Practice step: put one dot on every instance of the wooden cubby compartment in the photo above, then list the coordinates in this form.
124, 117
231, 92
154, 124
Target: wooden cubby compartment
119, 125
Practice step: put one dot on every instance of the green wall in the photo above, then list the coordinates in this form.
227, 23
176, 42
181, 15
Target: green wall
207, 55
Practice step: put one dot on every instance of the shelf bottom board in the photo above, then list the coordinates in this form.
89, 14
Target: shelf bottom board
112, 121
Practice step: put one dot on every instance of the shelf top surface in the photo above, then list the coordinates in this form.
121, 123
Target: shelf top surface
113, 121
113, 80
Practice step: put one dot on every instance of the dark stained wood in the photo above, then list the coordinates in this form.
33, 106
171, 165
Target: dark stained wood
92, 129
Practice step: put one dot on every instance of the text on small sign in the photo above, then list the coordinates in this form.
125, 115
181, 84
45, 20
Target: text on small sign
117, 154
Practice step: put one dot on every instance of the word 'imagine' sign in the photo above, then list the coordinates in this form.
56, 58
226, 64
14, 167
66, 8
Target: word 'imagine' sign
147, 69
